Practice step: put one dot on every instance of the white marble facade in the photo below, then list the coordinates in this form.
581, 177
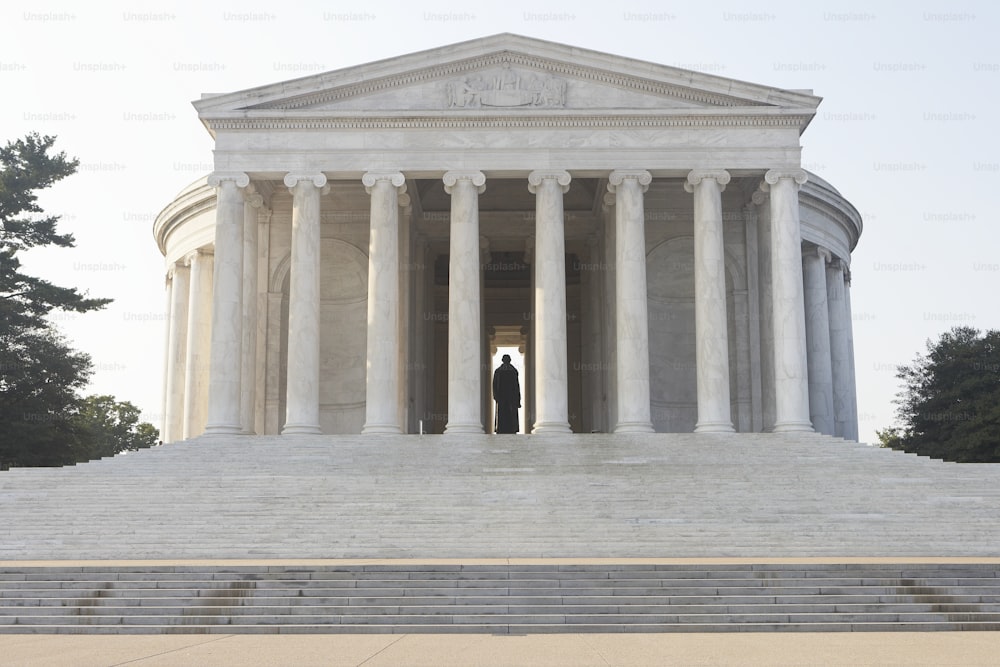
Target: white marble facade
645, 235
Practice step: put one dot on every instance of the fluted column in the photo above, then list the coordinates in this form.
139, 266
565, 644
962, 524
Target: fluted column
765, 283
551, 388
791, 377
840, 357
180, 292
464, 324
851, 420
632, 316
302, 403
814, 260
382, 394
248, 373
196, 358
226, 359
711, 326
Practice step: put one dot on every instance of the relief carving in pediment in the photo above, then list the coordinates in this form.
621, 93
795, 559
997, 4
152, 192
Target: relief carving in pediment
506, 87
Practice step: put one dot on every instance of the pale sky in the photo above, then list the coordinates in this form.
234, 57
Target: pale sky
907, 132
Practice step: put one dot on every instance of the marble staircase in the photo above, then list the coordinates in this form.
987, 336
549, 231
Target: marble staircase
582, 496
499, 598
669, 532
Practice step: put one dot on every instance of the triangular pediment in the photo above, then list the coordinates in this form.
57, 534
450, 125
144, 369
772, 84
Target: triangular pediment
508, 74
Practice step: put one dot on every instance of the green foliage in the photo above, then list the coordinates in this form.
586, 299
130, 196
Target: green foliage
949, 407
107, 428
26, 167
42, 420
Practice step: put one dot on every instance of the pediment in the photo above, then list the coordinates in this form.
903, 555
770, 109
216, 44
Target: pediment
507, 74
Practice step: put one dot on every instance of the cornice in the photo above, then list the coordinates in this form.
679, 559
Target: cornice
438, 121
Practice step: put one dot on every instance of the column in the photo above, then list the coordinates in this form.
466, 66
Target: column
180, 292
464, 324
819, 364
766, 322
710, 318
791, 377
198, 343
851, 421
631, 317
248, 361
551, 388
382, 394
302, 403
840, 357
226, 359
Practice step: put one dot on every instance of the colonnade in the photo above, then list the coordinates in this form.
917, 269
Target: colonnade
811, 366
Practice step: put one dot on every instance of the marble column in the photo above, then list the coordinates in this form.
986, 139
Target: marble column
631, 317
196, 361
225, 362
814, 260
464, 318
302, 402
791, 377
840, 357
382, 394
711, 326
766, 322
248, 360
180, 292
851, 420
551, 373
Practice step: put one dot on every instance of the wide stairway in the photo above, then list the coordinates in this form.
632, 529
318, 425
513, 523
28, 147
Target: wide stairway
504, 534
499, 598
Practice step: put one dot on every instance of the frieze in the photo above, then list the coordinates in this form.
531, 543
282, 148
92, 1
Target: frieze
506, 87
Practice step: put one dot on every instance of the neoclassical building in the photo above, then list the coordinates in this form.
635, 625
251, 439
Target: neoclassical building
644, 234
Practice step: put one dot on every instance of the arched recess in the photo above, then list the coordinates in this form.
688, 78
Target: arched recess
343, 336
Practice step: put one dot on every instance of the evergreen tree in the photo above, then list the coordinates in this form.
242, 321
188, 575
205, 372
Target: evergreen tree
42, 420
949, 407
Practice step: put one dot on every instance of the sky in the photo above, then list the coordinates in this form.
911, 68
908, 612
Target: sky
907, 132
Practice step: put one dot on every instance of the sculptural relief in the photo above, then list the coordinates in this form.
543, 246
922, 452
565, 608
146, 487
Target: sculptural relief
506, 87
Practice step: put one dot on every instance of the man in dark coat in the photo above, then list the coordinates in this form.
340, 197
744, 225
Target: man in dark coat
507, 394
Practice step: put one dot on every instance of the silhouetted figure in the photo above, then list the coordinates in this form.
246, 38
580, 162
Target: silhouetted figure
507, 394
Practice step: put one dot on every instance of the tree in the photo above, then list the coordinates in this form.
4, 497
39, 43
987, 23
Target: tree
26, 167
949, 407
106, 428
40, 374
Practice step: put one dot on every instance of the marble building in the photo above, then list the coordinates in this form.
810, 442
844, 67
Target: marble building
644, 235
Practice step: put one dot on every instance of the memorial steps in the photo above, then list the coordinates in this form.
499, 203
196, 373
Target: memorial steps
499, 598
752, 499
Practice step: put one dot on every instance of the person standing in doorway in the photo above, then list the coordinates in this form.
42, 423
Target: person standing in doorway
507, 394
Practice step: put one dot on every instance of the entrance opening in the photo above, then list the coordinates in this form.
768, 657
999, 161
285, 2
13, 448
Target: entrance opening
517, 361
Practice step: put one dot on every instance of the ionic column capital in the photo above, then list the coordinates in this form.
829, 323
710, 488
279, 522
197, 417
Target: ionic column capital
395, 178
772, 176
240, 178
561, 176
618, 176
292, 179
477, 178
696, 176
760, 195
814, 249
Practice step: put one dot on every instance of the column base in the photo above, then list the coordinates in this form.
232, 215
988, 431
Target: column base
301, 429
793, 427
223, 429
551, 427
463, 428
634, 427
381, 429
714, 427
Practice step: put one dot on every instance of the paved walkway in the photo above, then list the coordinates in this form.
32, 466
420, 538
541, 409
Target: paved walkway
940, 649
